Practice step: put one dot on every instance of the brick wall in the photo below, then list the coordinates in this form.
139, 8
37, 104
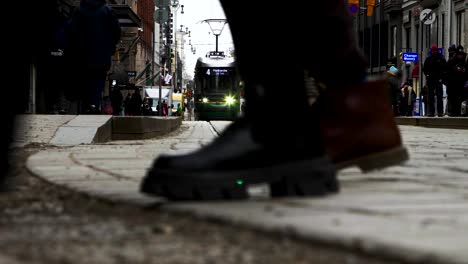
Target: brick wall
145, 12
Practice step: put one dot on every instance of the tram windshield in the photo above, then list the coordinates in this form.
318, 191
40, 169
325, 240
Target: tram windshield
217, 79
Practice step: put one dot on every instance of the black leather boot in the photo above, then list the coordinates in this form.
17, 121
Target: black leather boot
278, 143
291, 165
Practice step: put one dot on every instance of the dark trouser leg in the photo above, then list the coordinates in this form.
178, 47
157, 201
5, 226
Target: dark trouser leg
275, 84
450, 102
430, 99
98, 83
440, 103
455, 100
329, 29
457, 105
93, 86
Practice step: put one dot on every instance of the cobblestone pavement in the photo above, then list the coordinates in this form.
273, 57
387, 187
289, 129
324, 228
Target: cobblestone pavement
417, 212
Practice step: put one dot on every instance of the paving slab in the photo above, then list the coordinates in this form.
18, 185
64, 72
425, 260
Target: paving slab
84, 129
37, 128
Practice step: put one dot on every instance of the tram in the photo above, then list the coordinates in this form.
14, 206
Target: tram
216, 88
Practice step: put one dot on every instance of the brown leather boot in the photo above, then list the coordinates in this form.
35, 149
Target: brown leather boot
358, 127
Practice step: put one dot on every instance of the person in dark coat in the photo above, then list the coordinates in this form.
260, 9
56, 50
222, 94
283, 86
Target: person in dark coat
457, 76
408, 98
136, 102
93, 35
393, 82
116, 100
435, 67
128, 106
452, 51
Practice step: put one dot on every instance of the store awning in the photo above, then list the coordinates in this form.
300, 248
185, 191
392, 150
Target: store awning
126, 16
154, 93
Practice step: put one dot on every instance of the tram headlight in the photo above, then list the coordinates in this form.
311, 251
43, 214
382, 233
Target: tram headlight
205, 100
229, 100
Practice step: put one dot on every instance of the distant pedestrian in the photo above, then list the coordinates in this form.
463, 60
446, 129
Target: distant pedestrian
457, 76
136, 102
128, 109
179, 110
171, 110
393, 84
408, 99
107, 106
146, 108
434, 68
452, 51
243, 106
92, 36
116, 99
164, 108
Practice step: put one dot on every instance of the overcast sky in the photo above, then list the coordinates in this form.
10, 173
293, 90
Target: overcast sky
194, 12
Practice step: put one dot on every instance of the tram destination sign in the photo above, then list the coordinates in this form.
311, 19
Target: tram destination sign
218, 71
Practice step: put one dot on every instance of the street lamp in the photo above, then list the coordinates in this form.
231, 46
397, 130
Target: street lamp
216, 26
179, 70
160, 13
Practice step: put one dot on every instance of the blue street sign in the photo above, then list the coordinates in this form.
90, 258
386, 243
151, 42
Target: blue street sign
410, 57
353, 9
441, 52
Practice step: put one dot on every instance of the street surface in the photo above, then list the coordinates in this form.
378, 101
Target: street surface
416, 213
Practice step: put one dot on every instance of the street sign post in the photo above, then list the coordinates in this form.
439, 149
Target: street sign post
353, 8
410, 57
131, 74
427, 17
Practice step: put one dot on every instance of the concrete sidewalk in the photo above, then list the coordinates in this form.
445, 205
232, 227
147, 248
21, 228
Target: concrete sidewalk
436, 122
416, 213
70, 130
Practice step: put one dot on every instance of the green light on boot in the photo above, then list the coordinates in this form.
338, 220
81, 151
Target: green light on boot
240, 182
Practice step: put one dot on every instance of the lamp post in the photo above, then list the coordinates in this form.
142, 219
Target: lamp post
176, 6
181, 45
161, 12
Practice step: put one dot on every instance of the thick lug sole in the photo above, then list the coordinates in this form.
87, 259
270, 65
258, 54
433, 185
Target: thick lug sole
318, 185
304, 178
376, 161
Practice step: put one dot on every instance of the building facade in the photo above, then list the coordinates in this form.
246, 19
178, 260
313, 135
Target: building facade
373, 35
396, 28
46, 71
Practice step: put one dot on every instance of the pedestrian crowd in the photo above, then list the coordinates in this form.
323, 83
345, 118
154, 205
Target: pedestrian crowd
445, 92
